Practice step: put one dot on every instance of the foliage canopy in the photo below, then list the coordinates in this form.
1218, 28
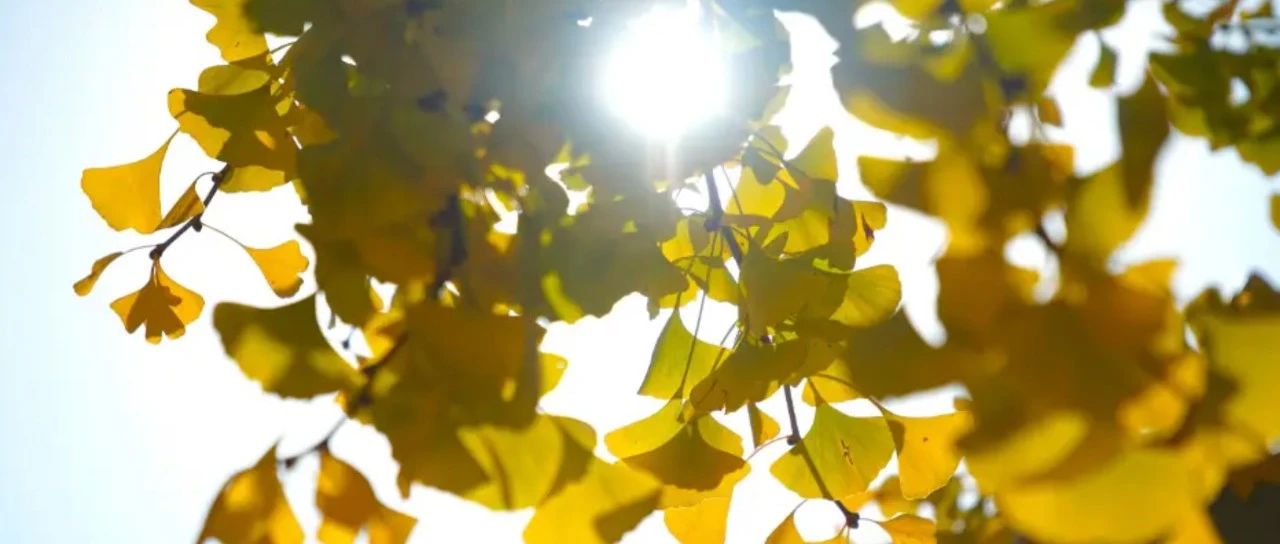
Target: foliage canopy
380, 113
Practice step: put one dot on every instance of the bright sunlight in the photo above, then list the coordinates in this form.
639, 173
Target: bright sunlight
666, 74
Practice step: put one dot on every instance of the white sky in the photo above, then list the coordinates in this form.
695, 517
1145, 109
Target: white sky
107, 438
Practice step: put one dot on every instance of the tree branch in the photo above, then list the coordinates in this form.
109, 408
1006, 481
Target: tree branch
194, 222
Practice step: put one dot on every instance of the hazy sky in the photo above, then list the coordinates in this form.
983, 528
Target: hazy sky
105, 438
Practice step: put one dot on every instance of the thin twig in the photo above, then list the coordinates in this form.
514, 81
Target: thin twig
794, 438
194, 222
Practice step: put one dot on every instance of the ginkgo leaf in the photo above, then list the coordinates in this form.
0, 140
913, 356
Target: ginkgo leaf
788, 533
926, 446
891, 500
763, 427
697, 454
283, 349
282, 266
778, 290
85, 285
751, 373
818, 158
241, 130
251, 507
872, 296
838, 456
523, 463
188, 205
348, 506
164, 306
1112, 503
702, 523
128, 196
679, 362
604, 504
235, 78
234, 33
1239, 341
910, 529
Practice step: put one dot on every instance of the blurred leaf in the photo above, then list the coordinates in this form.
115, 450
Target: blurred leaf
251, 507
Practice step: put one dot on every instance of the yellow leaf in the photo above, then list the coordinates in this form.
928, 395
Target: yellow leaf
910, 529
818, 158
283, 350
890, 358
839, 455
1113, 503
679, 362
763, 427
282, 266
238, 78
752, 373
872, 296
703, 523
926, 446
252, 508
523, 464
787, 533
188, 205
778, 290
251, 177
891, 500
1104, 73
916, 9
241, 130
234, 34
347, 503
128, 196
1240, 342
1029, 451
164, 306
85, 285
698, 454
1275, 211
604, 504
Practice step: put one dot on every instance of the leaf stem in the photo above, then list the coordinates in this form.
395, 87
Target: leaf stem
716, 218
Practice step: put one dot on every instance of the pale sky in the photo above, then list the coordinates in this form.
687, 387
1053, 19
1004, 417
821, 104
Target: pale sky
106, 438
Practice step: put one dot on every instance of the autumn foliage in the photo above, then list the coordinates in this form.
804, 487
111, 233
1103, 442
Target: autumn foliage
1093, 415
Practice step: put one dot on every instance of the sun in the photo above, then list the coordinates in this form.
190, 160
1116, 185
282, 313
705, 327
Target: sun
666, 74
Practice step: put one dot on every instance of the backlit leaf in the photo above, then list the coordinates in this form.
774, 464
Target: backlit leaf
926, 446
703, 523
763, 427
787, 533
910, 529
164, 306
282, 349
251, 507
347, 502
188, 205
85, 285
872, 296
282, 266
679, 362
234, 34
696, 455
128, 196
242, 130
838, 456
604, 504
1101, 505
